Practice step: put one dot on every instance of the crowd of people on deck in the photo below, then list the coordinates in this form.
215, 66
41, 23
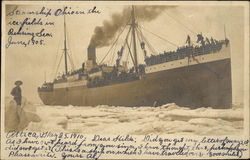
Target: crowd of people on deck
62, 78
205, 47
112, 77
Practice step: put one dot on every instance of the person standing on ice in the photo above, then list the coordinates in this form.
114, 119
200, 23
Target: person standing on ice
16, 118
17, 93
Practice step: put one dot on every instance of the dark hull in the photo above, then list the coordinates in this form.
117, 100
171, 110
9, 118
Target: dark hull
200, 85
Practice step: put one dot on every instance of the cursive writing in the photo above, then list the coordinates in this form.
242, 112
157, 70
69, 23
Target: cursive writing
33, 26
24, 43
40, 33
80, 146
54, 12
43, 11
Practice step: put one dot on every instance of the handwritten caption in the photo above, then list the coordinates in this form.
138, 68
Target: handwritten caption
33, 28
80, 146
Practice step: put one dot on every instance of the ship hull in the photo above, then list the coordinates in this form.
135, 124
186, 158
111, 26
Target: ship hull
200, 85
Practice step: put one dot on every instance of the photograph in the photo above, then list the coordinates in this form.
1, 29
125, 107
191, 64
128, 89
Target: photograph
125, 68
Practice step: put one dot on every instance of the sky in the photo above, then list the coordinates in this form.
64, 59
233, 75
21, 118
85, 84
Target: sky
30, 63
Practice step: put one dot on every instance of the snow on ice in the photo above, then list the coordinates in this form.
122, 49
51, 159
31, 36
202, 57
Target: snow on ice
166, 119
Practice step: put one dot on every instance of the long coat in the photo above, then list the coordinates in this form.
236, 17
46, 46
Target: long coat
16, 92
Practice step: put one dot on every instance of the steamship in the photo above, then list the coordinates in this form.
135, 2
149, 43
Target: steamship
191, 76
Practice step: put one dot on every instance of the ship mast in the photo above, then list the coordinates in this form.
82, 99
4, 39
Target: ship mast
65, 48
133, 26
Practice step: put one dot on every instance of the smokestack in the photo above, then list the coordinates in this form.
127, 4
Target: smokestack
92, 54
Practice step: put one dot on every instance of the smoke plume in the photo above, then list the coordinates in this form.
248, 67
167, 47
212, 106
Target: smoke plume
103, 35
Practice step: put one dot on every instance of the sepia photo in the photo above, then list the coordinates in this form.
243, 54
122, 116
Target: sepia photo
126, 68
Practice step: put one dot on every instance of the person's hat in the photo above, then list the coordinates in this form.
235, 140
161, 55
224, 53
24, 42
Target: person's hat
18, 83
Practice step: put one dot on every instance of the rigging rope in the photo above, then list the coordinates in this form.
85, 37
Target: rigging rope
140, 38
113, 55
58, 65
130, 52
71, 62
180, 23
125, 41
54, 66
160, 37
128, 49
148, 44
130, 45
138, 34
70, 55
114, 42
